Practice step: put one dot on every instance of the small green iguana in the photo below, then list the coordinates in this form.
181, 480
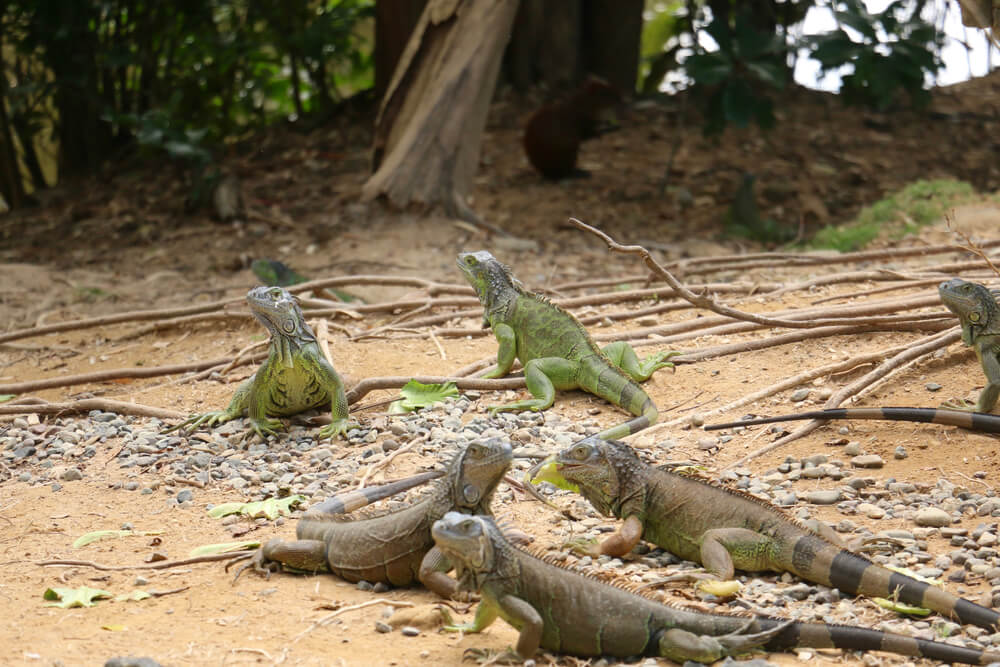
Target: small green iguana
563, 610
294, 377
724, 529
974, 421
389, 547
555, 349
979, 314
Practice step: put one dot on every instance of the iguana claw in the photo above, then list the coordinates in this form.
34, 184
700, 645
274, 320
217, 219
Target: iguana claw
257, 561
655, 362
962, 404
336, 427
737, 642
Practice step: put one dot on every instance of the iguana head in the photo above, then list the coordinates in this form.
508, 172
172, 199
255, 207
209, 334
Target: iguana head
476, 472
603, 470
492, 280
279, 312
974, 304
468, 541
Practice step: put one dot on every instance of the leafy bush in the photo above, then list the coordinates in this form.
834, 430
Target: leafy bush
895, 52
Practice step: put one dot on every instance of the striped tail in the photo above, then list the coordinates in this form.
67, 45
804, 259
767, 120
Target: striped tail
975, 421
344, 503
635, 400
820, 635
815, 559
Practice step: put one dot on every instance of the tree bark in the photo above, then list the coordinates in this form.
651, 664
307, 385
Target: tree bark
430, 123
611, 34
394, 23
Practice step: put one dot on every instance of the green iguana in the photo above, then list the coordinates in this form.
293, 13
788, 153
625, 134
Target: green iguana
974, 421
294, 377
390, 547
724, 529
555, 349
567, 611
979, 314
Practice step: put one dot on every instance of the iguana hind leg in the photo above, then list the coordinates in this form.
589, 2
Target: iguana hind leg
624, 357
681, 645
304, 555
724, 549
543, 376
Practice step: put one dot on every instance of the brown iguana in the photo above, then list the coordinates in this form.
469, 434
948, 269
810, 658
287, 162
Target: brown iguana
555, 349
974, 421
723, 529
563, 610
294, 377
979, 314
390, 547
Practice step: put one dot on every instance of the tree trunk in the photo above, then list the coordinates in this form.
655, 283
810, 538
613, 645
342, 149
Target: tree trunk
611, 34
560, 61
430, 124
394, 22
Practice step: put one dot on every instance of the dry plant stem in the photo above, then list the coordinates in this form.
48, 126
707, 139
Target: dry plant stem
396, 382
433, 288
909, 284
103, 376
162, 565
887, 366
326, 620
84, 405
408, 447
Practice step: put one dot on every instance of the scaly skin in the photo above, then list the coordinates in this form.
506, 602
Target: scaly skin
563, 610
555, 349
391, 547
978, 312
294, 377
974, 421
724, 529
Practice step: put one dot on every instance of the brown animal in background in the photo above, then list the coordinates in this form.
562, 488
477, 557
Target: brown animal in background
553, 134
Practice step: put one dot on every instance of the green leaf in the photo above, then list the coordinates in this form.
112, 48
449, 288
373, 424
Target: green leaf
223, 547
901, 608
271, 508
549, 472
6, 397
709, 69
74, 597
98, 535
134, 596
418, 395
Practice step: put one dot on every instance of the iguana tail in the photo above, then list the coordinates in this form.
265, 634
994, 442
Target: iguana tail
815, 559
344, 503
974, 421
616, 387
822, 635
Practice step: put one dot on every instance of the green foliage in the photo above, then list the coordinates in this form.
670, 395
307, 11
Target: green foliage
736, 77
892, 51
663, 25
900, 213
67, 598
743, 218
97, 535
223, 547
270, 508
419, 395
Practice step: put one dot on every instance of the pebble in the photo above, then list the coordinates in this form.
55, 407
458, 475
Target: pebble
871, 511
823, 497
800, 395
899, 453
71, 475
867, 461
410, 631
932, 386
382, 626
932, 516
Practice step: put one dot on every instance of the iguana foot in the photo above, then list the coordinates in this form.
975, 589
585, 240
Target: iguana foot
528, 404
655, 362
336, 427
266, 426
257, 561
959, 404
485, 656
207, 419
738, 642
583, 546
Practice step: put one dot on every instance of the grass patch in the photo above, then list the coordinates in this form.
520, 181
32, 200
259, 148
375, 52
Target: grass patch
898, 214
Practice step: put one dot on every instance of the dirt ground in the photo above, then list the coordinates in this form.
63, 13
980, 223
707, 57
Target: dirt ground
119, 242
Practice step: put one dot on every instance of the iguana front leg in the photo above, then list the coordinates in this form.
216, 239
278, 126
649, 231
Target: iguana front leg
542, 377
988, 352
624, 357
680, 645
240, 402
619, 543
433, 574
506, 353
515, 611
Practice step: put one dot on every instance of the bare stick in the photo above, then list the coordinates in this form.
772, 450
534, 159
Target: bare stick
162, 565
85, 405
388, 459
970, 245
326, 620
912, 352
103, 376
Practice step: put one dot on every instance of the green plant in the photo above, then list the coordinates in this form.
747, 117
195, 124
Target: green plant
894, 51
735, 77
900, 213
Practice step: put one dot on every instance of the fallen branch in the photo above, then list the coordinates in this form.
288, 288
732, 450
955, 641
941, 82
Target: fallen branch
104, 376
408, 447
887, 366
162, 565
84, 405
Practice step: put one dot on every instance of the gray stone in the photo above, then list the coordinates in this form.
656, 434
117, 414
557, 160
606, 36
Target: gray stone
823, 497
867, 461
932, 516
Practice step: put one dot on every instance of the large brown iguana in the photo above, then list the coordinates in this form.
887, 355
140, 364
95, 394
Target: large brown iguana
390, 547
724, 529
559, 609
555, 349
294, 377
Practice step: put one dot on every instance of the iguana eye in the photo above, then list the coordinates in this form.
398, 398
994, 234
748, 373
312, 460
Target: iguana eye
973, 317
476, 450
276, 293
581, 452
288, 326
470, 260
